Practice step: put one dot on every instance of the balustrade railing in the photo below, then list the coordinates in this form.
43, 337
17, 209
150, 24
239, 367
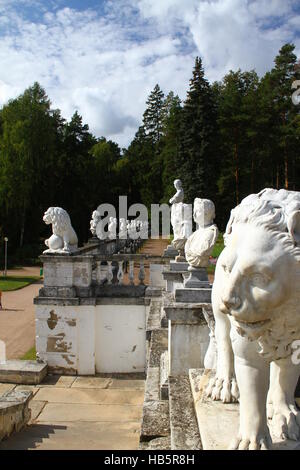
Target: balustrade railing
124, 269
86, 274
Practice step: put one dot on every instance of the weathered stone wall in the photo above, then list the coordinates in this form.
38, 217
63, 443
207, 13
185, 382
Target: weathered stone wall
85, 339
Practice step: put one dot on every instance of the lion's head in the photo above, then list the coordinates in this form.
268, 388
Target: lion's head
260, 269
59, 219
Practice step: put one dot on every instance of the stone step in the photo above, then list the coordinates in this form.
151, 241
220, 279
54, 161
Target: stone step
14, 412
153, 320
22, 372
155, 420
160, 443
183, 422
158, 344
213, 417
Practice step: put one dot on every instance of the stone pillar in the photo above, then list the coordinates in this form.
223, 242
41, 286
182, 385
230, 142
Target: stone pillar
188, 337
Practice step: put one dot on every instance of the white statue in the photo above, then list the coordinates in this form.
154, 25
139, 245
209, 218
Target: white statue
200, 244
132, 229
64, 238
182, 221
177, 210
112, 228
256, 300
122, 229
94, 222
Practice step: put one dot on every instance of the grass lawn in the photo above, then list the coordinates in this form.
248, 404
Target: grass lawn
10, 283
30, 355
218, 248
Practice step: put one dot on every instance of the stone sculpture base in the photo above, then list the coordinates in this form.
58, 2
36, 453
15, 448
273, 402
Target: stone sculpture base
197, 295
170, 252
179, 266
180, 259
214, 417
188, 336
197, 279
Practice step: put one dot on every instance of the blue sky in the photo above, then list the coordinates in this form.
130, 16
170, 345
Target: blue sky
103, 57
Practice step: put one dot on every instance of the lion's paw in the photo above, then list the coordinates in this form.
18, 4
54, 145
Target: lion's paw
286, 422
254, 442
225, 390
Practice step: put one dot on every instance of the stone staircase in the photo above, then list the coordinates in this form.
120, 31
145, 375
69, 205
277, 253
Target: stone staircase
169, 421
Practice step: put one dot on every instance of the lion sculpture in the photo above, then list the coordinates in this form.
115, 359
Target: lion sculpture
64, 238
256, 304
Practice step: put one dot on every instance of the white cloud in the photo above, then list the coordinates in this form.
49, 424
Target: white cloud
231, 34
105, 63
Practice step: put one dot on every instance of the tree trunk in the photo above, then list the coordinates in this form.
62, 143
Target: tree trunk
22, 226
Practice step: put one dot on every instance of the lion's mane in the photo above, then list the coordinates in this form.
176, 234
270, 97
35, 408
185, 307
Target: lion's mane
271, 209
60, 220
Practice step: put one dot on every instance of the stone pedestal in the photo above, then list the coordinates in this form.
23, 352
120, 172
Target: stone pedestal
202, 295
170, 252
173, 279
179, 265
197, 279
188, 337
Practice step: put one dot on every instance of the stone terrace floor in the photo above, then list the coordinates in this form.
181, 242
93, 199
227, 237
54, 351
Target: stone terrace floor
84, 413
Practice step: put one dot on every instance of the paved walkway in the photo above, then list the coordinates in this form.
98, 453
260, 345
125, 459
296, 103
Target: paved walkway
24, 271
84, 413
17, 320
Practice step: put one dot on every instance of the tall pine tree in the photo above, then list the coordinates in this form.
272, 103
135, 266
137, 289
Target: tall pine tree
198, 140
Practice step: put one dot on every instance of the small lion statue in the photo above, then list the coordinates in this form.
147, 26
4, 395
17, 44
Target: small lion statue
256, 304
64, 238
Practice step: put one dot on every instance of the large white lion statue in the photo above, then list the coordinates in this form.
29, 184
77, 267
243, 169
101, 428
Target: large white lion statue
64, 238
256, 304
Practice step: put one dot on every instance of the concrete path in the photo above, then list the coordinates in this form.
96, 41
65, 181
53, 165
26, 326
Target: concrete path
17, 320
24, 271
84, 413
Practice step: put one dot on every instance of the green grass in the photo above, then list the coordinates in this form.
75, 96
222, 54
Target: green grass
219, 246
30, 355
10, 283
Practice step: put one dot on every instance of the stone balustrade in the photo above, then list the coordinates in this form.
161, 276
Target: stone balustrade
89, 275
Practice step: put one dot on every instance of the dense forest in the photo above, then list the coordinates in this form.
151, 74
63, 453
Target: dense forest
226, 140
